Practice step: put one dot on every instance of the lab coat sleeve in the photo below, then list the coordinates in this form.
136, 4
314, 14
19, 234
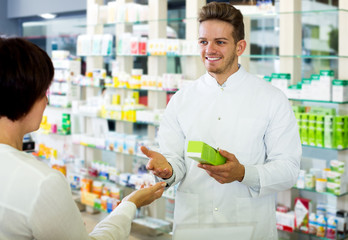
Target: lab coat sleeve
283, 149
172, 141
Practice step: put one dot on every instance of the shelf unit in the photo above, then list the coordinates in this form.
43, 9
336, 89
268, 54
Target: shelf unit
157, 99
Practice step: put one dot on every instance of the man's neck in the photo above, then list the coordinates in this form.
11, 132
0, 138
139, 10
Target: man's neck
222, 77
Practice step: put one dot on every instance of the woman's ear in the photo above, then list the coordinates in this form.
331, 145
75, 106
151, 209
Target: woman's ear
241, 45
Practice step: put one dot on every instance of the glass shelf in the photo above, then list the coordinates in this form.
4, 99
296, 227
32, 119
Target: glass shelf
293, 56
261, 14
143, 89
337, 149
325, 193
311, 236
166, 55
103, 149
136, 122
319, 101
54, 134
57, 106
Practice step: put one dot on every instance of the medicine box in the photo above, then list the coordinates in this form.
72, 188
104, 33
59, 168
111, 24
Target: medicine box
203, 153
302, 209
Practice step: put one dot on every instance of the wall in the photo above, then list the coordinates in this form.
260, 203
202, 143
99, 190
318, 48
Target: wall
7, 26
28, 8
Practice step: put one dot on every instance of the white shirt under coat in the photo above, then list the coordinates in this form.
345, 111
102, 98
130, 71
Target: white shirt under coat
249, 118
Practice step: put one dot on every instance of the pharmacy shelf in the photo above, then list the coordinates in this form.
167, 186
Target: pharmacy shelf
318, 101
55, 134
103, 149
118, 120
68, 109
262, 14
144, 89
131, 89
336, 149
292, 56
310, 236
324, 193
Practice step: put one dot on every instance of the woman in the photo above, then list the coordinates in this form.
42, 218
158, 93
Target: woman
35, 200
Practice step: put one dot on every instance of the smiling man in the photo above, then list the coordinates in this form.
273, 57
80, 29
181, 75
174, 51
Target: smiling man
250, 121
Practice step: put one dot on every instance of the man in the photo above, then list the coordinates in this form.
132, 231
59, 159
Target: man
252, 124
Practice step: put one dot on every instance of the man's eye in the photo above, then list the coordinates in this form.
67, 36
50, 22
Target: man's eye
220, 42
203, 42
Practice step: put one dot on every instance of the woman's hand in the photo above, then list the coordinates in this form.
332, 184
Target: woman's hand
146, 195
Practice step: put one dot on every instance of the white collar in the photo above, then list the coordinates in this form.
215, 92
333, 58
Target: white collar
232, 81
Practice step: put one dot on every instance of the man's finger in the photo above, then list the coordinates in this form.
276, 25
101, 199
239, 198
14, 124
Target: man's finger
227, 155
145, 150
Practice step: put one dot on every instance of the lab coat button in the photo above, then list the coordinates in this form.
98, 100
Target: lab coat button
215, 209
219, 118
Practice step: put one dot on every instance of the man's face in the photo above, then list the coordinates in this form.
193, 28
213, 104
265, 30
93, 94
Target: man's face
217, 47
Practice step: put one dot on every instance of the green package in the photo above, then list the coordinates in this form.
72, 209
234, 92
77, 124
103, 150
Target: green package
311, 129
203, 153
304, 129
319, 131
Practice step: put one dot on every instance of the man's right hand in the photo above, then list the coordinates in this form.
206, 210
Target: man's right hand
157, 164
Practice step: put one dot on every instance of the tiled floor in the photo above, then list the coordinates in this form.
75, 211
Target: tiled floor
137, 232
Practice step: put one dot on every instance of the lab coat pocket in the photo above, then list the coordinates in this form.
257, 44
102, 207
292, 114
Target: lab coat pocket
186, 208
259, 211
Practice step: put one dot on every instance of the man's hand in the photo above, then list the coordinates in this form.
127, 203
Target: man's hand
157, 164
231, 171
145, 196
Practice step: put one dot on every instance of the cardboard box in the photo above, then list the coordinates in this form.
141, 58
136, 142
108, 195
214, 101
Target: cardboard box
302, 209
203, 153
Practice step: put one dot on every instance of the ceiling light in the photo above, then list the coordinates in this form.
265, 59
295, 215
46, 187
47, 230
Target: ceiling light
48, 15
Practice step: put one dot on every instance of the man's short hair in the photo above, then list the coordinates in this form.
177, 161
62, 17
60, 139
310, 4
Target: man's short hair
224, 12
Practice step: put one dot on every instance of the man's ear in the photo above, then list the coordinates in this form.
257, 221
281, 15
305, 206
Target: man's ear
241, 45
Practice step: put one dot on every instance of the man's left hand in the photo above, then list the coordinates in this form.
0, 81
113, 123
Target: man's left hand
231, 171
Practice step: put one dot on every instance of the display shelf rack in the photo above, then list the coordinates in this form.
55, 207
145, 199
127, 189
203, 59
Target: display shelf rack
118, 120
311, 236
143, 89
273, 56
104, 149
262, 14
55, 134
336, 149
325, 193
318, 101
58, 106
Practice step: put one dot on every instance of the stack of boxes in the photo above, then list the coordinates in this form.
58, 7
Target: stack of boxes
319, 87
321, 127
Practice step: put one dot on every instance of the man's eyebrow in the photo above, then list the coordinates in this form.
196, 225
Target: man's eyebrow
222, 38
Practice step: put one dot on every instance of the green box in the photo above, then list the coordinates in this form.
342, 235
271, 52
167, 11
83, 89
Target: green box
319, 131
329, 139
339, 131
346, 131
304, 128
203, 153
311, 129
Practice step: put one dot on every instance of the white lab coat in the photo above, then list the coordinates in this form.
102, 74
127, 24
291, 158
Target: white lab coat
249, 118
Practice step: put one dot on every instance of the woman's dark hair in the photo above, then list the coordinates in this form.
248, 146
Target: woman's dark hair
26, 72
225, 12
